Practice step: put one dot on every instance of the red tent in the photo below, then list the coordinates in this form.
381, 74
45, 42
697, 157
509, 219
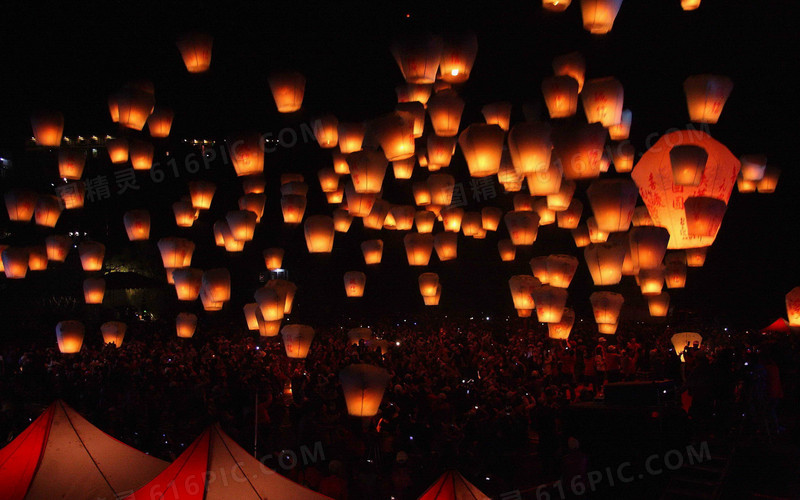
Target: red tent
214, 467
780, 325
62, 456
453, 486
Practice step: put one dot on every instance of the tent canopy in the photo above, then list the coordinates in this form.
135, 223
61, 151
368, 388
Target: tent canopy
452, 486
780, 325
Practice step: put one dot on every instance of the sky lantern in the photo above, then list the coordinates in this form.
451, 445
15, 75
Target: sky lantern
546, 216
141, 154
230, 243
606, 307
93, 290
550, 302
297, 187
242, 224
561, 329
47, 211
293, 207
48, 128
546, 182
411, 92
581, 235
599, 15
622, 130
605, 262
648, 246
530, 147
596, 235
696, 257
71, 163
745, 186
342, 220
446, 245
395, 134
135, 106
539, 269
254, 184
561, 269
372, 251
607, 328
57, 247
117, 150
522, 287
612, 201
336, 197
522, 227
556, 6
285, 289
422, 193
188, 282
359, 204
252, 315
665, 202
326, 131
651, 281
571, 217
658, 305
174, 251
704, 216
482, 146
15, 262
560, 95
186, 324
445, 109
523, 202
602, 101
622, 156
572, 64
418, 248
458, 56
319, 233
490, 218
428, 284
498, 113
201, 193
217, 283
184, 213
297, 340
641, 217
137, 224
403, 216
560, 201
376, 218
680, 341
340, 165
271, 303
247, 153
439, 151
508, 176
675, 275
287, 90
367, 170
160, 122
414, 113
688, 164
220, 229
580, 149
452, 218
403, 169
424, 221
69, 335
91, 253
793, 306
753, 167
273, 258
113, 332
354, 283
351, 136
113, 107
418, 57
195, 50
209, 304
769, 182
37, 258
363, 386
507, 250
706, 96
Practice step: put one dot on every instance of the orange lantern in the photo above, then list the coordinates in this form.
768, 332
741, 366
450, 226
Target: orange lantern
202, 192
688, 164
351, 137
253, 184
446, 245
220, 230
160, 122
452, 218
253, 203
530, 147
209, 304
113, 332
271, 303
490, 218
195, 50
117, 149
605, 262
335, 197
433, 300
287, 90
188, 282
550, 302
69, 335
418, 248
252, 315
458, 56
606, 307
704, 216
622, 156
440, 151
522, 227
622, 130
745, 186
342, 220
580, 150
561, 201
137, 224
507, 250
217, 283
297, 340
613, 201
595, 234
573, 65
395, 134
445, 109
37, 258
651, 281
340, 165
658, 305
571, 217
560, 95
91, 253
413, 113
648, 246
641, 217
418, 57
424, 220
403, 217
471, 224
560, 270
411, 92
373, 251
607, 328
498, 113
354, 283
93, 290
546, 182
15, 262
113, 107
753, 167
706, 96
675, 275
482, 146
356, 335
581, 235
422, 193
273, 258
599, 15
769, 182
690, 4
141, 154
319, 233
428, 284
562, 329
293, 184
57, 248
793, 307
186, 324
247, 153
539, 269
546, 216
522, 287
403, 169
363, 386
48, 128
47, 211
367, 170
175, 251
602, 101
242, 224
184, 213
293, 207
70, 163
135, 106
326, 130
328, 180
696, 257
557, 6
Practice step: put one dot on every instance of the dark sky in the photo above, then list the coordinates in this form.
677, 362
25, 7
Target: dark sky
71, 57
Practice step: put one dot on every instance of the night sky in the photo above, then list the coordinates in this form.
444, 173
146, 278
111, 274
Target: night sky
70, 58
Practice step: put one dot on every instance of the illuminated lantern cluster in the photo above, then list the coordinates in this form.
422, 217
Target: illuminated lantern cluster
287, 91
363, 386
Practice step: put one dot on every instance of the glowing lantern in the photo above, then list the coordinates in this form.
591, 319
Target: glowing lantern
675, 275
490, 218
581, 236
367, 170
247, 153
428, 284
395, 134
253, 184
297, 340
230, 243
560, 95
188, 282
424, 221
451, 218
546, 182
184, 213
562, 200
372, 251
522, 227
69, 335
363, 386
422, 193
498, 113
622, 130
769, 182
287, 90
15, 262
47, 210
595, 234
160, 122
201, 193
522, 287
606, 307
648, 246
605, 262
253, 203
706, 96
622, 156
571, 217
57, 248
70, 163
195, 50
680, 341
271, 303
326, 131
418, 58
91, 253
688, 164
252, 315
599, 15
319, 233
293, 207
117, 149
546, 216
550, 302
753, 167
93, 290
285, 289
186, 324
651, 281
403, 216
440, 151
557, 6
141, 154
350, 136
658, 305
602, 101
507, 250
411, 92
745, 186
413, 113
641, 217
458, 56
242, 224
539, 269
471, 223
403, 168
37, 258
530, 147
273, 258
174, 251
342, 220
612, 201
216, 283
793, 306
704, 216
418, 248
113, 332
446, 245
607, 328
268, 328
354, 283
507, 175
573, 65
560, 270
48, 128
135, 106
696, 257
690, 4
482, 146
580, 150
445, 109
328, 180
336, 197
560, 330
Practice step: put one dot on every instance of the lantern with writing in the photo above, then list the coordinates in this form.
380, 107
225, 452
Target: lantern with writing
287, 90
458, 56
297, 340
530, 147
704, 216
560, 270
367, 170
522, 287
561, 329
560, 95
70, 163
93, 290
363, 386
47, 211
452, 218
247, 153
602, 101
606, 307
675, 274
57, 247
218, 284
580, 149
706, 95
270, 302
418, 57
522, 227
293, 207
69, 335
354, 283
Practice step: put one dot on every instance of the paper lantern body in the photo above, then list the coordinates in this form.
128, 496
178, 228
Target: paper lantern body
71, 163
287, 91
273, 258
69, 335
561, 329
297, 340
363, 386
92, 254
605, 262
372, 251
48, 128
188, 282
706, 96
93, 290
560, 95
458, 56
185, 325
658, 305
57, 247
522, 227
550, 302
602, 101
507, 250
160, 122
418, 248
247, 153
354, 283
445, 109
573, 65
599, 15
606, 307
418, 58
530, 147
195, 50
113, 332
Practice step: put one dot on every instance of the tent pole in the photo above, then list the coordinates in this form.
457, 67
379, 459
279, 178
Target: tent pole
255, 433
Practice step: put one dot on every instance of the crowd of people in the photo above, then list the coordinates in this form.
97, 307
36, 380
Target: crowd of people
483, 396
